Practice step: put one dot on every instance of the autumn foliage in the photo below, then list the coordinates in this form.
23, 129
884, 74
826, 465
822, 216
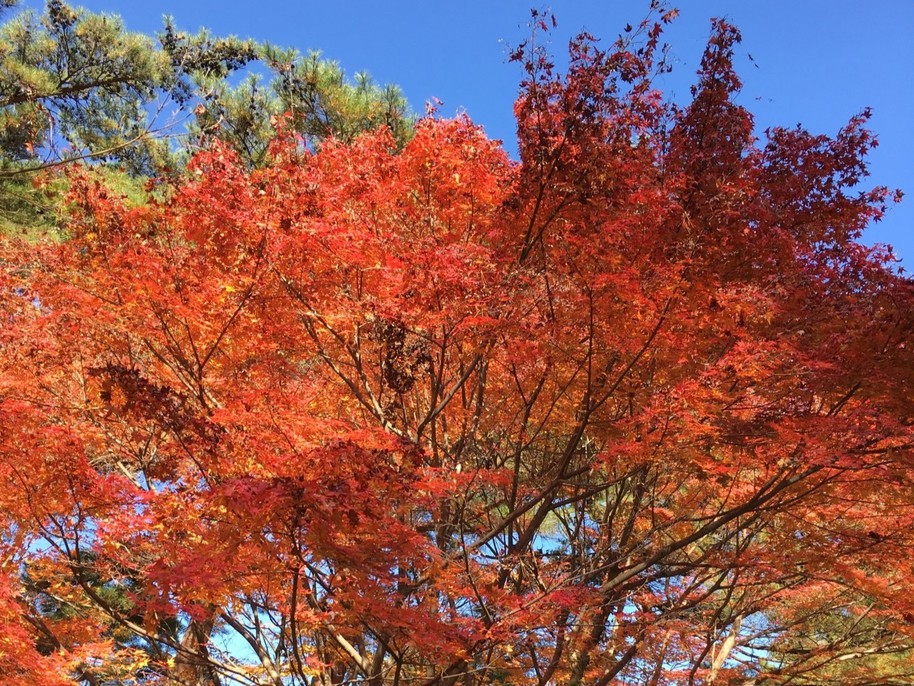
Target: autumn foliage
636, 409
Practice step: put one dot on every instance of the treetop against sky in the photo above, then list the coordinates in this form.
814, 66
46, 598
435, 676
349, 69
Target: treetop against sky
817, 62
632, 408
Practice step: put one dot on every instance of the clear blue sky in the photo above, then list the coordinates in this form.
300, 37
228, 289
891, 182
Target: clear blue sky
816, 62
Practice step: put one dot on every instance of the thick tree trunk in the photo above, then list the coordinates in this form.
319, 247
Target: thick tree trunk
725, 649
192, 664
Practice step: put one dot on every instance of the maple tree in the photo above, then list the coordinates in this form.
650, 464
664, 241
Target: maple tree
636, 409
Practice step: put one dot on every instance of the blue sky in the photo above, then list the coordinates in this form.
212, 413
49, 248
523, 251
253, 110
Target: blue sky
816, 62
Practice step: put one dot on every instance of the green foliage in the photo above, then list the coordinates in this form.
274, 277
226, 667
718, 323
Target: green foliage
75, 85
27, 209
314, 96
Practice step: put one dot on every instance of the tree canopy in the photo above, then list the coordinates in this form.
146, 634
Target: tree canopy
635, 409
75, 85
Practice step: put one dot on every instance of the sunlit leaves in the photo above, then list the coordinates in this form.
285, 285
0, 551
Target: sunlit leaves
633, 408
